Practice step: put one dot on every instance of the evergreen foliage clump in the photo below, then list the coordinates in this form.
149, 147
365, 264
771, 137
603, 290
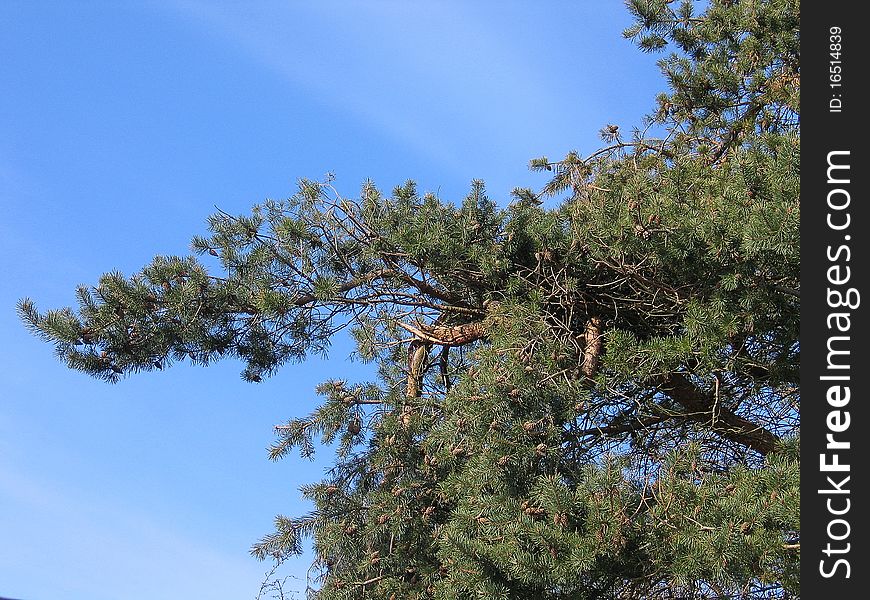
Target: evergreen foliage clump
593, 401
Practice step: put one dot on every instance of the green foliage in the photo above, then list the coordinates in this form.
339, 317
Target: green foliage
595, 401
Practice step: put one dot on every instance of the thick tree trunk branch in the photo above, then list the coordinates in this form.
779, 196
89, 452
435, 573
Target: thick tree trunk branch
702, 407
427, 335
592, 345
417, 352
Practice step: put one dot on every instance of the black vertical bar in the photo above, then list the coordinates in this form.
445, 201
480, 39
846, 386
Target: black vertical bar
834, 366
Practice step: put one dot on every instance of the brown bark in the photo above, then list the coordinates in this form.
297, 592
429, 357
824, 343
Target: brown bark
417, 352
441, 335
702, 406
427, 335
593, 342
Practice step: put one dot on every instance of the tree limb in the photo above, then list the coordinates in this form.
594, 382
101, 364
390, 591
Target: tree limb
441, 335
703, 408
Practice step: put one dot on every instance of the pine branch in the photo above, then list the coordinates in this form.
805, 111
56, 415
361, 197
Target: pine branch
704, 408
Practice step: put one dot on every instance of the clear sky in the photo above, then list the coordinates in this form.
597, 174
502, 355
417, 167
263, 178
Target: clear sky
123, 125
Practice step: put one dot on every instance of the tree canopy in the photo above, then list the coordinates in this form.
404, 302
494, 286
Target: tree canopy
593, 401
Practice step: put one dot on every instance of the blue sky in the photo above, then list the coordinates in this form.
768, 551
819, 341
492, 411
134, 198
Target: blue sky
123, 125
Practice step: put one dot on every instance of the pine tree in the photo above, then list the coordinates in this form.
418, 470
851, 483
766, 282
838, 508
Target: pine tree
595, 401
